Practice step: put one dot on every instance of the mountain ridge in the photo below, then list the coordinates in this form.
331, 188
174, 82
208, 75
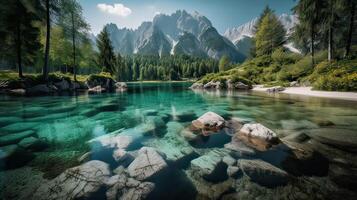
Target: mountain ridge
161, 35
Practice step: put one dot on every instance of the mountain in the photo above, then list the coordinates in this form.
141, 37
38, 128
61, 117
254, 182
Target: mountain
178, 33
242, 35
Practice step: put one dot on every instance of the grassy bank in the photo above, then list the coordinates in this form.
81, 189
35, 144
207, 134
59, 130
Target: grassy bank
12, 75
283, 67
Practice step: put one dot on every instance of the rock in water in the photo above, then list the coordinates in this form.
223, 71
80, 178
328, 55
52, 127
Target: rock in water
210, 166
148, 163
341, 138
75, 183
122, 187
257, 136
96, 89
121, 86
32, 143
263, 173
213, 85
15, 137
113, 140
209, 122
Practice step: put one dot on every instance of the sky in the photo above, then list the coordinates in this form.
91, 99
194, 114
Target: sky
222, 13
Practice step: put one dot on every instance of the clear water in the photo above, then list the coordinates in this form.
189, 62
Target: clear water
67, 122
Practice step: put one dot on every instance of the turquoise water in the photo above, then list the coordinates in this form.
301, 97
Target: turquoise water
66, 123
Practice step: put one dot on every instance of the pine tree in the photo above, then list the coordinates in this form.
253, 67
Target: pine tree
310, 17
106, 57
75, 27
18, 33
270, 35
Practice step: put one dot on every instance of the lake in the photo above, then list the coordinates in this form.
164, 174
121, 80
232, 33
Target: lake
62, 133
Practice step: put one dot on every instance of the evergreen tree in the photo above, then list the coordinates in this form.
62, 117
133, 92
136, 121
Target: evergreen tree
351, 9
270, 35
75, 27
310, 17
106, 58
18, 33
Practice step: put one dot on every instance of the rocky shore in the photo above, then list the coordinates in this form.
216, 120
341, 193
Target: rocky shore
29, 87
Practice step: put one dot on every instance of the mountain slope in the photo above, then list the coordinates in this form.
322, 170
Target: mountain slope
193, 33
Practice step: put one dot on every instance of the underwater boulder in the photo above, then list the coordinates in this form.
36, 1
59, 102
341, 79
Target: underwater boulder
210, 166
344, 139
113, 140
148, 163
263, 173
303, 160
14, 138
257, 136
123, 187
33, 143
78, 182
209, 122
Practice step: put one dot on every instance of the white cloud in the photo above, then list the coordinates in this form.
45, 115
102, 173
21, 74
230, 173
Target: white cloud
116, 9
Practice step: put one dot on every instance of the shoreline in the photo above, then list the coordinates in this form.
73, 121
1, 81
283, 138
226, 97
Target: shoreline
307, 91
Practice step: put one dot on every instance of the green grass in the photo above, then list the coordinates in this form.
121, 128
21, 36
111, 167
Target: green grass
283, 67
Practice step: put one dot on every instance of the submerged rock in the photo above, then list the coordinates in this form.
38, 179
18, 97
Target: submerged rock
113, 140
303, 160
14, 138
75, 183
210, 166
122, 187
263, 173
13, 156
148, 163
341, 138
207, 189
238, 146
32, 143
209, 122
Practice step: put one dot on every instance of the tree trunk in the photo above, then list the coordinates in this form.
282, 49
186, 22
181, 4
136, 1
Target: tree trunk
350, 31
18, 48
312, 48
47, 48
330, 33
74, 49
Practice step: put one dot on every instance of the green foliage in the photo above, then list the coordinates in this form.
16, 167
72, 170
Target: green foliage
19, 32
224, 63
338, 75
138, 67
106, 58
270, 35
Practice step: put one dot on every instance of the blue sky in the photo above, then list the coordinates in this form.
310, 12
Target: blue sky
222, 13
